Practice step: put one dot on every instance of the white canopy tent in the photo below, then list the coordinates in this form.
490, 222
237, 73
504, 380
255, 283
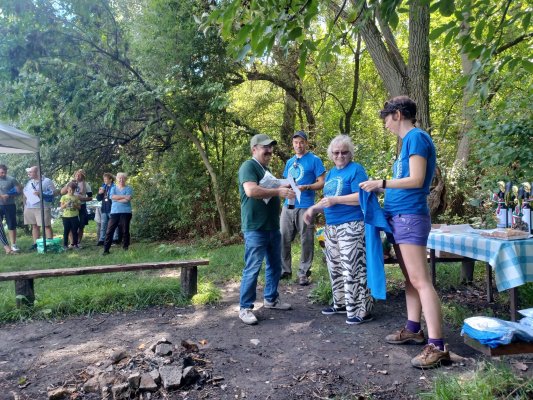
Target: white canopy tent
14, 141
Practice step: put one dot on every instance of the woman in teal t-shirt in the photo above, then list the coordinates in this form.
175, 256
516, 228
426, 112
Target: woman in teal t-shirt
344, 234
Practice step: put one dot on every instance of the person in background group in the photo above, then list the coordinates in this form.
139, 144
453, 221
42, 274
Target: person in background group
345, 234
121, 213
308, 172
105, 209
9, 189
3, 240
85, 194
32, 206
408, 214
71, 208
260, 225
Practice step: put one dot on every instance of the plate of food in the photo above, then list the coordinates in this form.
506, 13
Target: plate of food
505, 234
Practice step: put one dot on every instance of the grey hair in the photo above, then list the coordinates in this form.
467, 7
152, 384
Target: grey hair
120, 174
343, 141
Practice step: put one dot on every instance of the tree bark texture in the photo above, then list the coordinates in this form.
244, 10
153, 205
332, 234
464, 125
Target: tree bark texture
418, 65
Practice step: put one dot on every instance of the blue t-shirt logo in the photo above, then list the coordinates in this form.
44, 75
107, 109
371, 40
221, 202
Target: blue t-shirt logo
333, 187
398, 168
296, 171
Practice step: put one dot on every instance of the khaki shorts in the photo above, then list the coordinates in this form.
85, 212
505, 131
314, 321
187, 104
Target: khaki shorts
32, 216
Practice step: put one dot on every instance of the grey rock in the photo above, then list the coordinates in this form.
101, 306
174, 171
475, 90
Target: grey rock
106, 393
106, 379
134, 381
189, 376
170, 376
164, 349
155, 376
61, 393
120, 391
148, 383
92, 385
118, 355
162, 340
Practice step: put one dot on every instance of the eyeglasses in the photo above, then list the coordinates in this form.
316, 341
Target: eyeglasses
338, 153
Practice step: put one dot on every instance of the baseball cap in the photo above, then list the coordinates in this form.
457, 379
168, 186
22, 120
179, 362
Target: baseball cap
263, 140
300, 134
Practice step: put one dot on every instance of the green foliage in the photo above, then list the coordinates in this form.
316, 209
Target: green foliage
493, 34
490, 381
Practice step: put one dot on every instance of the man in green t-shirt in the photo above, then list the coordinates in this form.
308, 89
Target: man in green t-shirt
260, 225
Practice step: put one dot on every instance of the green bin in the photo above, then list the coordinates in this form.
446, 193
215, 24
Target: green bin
54, 245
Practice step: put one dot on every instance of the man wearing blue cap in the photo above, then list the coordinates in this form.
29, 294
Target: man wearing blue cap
260, 225
308, 172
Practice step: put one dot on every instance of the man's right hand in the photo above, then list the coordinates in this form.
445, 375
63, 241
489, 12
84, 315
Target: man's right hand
309, 215
288, 193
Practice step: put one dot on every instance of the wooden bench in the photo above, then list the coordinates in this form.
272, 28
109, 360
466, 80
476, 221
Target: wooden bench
25, 293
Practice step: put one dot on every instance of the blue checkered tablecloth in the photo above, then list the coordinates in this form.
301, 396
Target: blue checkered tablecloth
511, 261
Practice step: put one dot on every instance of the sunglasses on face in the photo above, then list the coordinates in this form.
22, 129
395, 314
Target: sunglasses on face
338, 153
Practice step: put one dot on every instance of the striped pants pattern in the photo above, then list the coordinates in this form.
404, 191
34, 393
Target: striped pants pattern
346, 260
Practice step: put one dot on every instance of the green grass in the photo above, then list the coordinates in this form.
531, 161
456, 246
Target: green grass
488, 382
62, 296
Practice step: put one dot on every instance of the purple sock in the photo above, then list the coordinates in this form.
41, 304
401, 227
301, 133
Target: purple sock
439, 343
412, 326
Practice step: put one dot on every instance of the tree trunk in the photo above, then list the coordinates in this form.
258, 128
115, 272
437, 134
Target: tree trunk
418, 65
289, 118
463, 149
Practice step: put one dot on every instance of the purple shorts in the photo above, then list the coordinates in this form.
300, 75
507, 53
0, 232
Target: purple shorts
409, 229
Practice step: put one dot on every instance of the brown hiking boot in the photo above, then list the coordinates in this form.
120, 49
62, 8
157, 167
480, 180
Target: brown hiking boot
405, 336
431, 357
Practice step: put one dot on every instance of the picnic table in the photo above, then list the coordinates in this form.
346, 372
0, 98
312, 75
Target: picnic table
510, 260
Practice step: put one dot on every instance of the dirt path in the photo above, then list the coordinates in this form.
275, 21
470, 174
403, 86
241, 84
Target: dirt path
300, 353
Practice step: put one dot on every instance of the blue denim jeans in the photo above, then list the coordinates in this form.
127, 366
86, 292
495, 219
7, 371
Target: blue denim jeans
103, 227
259, 246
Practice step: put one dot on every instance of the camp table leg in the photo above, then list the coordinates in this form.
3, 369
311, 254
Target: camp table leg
432, 263
513, 302
24, 287
488, 278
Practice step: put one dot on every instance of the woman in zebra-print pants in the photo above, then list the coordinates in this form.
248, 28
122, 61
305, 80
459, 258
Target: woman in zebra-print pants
345, 234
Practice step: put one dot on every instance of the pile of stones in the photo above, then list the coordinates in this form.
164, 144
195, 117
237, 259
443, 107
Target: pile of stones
148, 375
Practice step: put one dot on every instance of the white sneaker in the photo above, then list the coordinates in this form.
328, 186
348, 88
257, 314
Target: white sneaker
247, 316
277, 305
14, 247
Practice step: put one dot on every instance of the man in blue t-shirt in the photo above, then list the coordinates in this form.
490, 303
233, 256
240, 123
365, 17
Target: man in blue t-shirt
308, 172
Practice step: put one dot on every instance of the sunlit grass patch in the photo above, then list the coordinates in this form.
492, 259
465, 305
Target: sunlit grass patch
488, 382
